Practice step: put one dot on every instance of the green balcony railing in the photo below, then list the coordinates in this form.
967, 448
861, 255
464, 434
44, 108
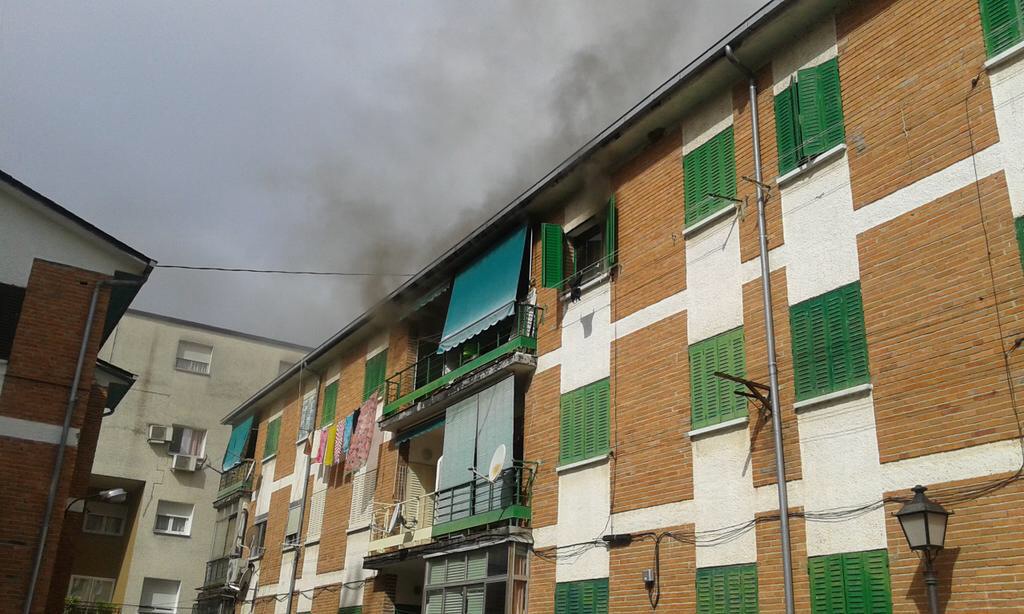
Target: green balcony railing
433, 371
480, 502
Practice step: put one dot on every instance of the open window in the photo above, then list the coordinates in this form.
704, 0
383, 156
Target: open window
586, 253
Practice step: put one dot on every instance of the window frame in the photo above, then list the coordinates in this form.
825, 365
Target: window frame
721, 404
185, 365
789, 119
87, 514
259, 526
92, 579
994, 46
307, 416
192, 432
186, 532
583, 413
272, 440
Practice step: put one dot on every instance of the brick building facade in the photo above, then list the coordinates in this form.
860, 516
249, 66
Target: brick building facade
890, 140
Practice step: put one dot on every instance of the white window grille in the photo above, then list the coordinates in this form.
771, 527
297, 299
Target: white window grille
193, 357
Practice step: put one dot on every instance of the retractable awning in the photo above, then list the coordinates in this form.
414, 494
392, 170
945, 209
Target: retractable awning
236, 444
485, 292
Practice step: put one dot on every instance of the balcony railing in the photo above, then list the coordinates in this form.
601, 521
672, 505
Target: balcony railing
236, 479
73, 606
481, 502
415, 514
434, 371
217, 572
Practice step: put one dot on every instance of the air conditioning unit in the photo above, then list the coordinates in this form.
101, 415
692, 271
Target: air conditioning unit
183, 462
159, 433
236, 567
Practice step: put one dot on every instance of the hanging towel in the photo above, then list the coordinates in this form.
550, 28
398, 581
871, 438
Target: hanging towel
339, 437
331, 436
362, 435
321, 447
307, 447
347, 439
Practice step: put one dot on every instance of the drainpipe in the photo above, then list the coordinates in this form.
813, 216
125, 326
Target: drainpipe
305, 482
51, 500
769, 329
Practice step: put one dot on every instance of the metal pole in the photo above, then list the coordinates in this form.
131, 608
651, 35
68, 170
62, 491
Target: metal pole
302, 506
769, 331
69, 411
932, 582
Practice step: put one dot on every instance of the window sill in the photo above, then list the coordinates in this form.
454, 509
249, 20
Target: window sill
314, 541
710, 220
832, 396
593, 460
169, 534
815, 162
728, 425
1004, 56
586, 286
357, 529
269, 458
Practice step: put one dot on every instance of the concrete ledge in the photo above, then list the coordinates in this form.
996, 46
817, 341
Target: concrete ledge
1002, 58
710, 220
832, 396
815, 162
593, 460
728, 425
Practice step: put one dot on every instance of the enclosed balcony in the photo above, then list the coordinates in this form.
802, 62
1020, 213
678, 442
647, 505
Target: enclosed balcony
216, 572
236, 480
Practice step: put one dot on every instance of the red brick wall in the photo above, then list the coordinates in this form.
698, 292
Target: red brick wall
541, 424
750, 246
277, 519
626, 589
541, 586
769, 564
650, 387
379, 595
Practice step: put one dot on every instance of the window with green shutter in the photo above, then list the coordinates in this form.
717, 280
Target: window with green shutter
1019, 223
713, 399
584, 422
582, 597
376, 373
273, 434
1003, 23
809, 115
727, 590
611, 234
708, 172
330, 403
552, 255
830, 349
351, 609
850, 583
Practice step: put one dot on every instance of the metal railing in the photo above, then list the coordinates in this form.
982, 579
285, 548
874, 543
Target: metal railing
415, 513
192, 366
514, 487
434, 366
73, 606
217, 572
237, 478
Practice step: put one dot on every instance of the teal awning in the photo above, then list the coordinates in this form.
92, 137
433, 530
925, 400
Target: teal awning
419, 429
484, 293
236, 444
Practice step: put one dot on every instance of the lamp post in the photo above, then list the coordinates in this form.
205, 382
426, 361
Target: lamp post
112, 495
924, 525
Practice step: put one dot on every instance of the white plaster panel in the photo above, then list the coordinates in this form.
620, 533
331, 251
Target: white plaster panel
777, 259
545, 536
1007, 83
284, 579
810, 49
651, 314
549, 360
298, 476
714, 282
584, 504
840, 461
724, 489
767, 496
653, 518
586, 339
710, 118
821, 250
974, 462
266, 487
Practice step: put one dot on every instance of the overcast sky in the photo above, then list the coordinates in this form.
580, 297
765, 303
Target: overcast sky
336, 136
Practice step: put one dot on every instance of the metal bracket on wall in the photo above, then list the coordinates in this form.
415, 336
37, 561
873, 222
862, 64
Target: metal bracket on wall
755, 390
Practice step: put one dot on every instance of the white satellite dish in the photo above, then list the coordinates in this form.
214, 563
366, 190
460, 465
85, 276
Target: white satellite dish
497, 464
396, 517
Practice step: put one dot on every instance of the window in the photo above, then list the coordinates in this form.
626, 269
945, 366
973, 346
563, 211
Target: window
475, 582
317, 502
376, 373
850, 582
1003, 23
363, 484
104, 518
273, 434
308, 415
330, 404
159, 596
225, 529
830, 350
11, 298
258, 538
1019, 223
712, 398
193, 357
709, 172
351, 609
727, 590
583, 597
187, 440
173, 518
592, 249
292, 528
584, 422
90, 589
809, 115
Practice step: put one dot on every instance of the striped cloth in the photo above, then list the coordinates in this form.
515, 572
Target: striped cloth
339, 436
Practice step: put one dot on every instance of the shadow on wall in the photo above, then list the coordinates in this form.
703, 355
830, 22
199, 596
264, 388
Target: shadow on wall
944, 564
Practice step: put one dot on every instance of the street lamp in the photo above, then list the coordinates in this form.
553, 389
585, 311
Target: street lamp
111, 495
924, 525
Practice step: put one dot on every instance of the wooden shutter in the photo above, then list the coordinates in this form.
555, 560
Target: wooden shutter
828, 595
599, 418
712, 398
611, 238
809, 111
476, 565
273, 434
551, 255
375, 374
584, 422
709, 169
787, 133
1001, 21
726, 152
475, 599
829, 342
1019, 224
727, 590
866, 582
330, 404
831, 104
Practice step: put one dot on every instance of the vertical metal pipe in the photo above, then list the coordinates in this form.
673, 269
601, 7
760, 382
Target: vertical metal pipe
932, 582
769, 329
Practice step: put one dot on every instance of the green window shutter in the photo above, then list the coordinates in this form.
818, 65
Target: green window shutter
353, 609
584, 422
727, 590
713, 399
435, 602
809, 111
330, 403
611, 234
830, 349
375, 374
866, 582
273, 434
436, 573
475, 599
566, 434
726, 164
787, 133
831, 104
582, 597
477, 565
826, 578
1001, 21
709, 169
1019, 223
551, 255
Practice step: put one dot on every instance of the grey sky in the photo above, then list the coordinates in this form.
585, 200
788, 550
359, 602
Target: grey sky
328, 136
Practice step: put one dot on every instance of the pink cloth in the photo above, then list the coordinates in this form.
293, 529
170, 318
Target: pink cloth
362, 435
339, 437
322, 448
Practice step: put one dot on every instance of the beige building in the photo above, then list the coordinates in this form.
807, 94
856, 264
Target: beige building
165, 446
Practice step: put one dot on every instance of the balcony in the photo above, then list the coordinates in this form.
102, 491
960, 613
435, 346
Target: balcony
217, 572
74, 606
236, 480
415, 520
435, 371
